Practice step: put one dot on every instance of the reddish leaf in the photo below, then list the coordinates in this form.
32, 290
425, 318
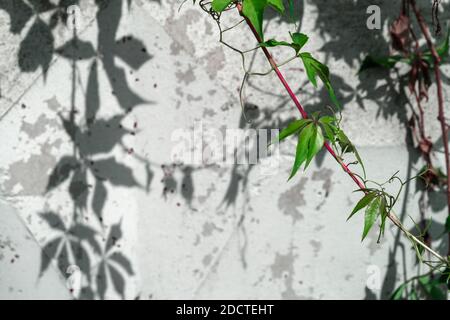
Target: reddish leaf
399, 31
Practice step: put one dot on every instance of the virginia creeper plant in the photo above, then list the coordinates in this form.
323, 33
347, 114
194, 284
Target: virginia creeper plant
317, 131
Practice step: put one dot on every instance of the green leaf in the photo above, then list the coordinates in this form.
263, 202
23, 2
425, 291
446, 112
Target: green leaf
383, 214
442, 50
444, 278
315, 144
347, 147
362, 203
431, 288
275, 43
447, 225
291, 9
315, 68
344, 142
389, 62
312, 66
372, 212
328, 120
220, 5
330, 132
329, 126
398, 293
253, 10
292, 128
315, 115
413, 294
299, 40
302, 148
277, 5
381, 62
420, 250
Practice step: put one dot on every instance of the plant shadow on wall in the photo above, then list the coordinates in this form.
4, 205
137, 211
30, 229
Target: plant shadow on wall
90, 172
260, 117
255, 117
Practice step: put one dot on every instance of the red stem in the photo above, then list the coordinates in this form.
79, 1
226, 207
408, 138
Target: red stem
441, 116
296, 102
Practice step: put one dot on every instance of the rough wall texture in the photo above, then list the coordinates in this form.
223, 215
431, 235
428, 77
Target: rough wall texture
89, 193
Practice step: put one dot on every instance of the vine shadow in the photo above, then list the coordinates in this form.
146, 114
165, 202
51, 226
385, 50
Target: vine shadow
89, 248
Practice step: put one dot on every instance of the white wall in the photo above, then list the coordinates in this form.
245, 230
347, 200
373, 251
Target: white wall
194, 232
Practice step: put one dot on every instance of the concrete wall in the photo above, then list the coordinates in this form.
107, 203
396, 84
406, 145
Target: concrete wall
89, 195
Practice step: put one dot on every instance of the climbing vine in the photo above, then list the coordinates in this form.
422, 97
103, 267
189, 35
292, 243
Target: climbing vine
317, 131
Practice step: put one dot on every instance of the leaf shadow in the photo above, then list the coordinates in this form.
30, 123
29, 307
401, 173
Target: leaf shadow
91, 172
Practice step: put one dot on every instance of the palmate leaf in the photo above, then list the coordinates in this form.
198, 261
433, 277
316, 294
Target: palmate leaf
311, 138
310, 142
376, 205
